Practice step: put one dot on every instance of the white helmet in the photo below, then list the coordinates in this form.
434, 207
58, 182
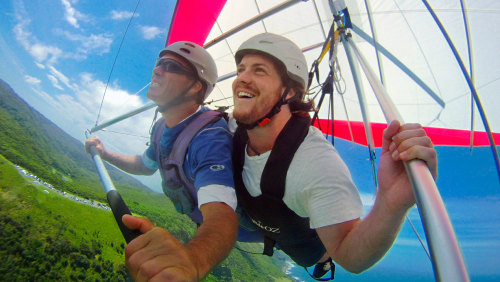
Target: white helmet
281, 48
199, 58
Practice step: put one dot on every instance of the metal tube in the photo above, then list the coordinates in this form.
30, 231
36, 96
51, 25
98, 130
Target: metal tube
101, 169
122, 117
253, 20
446, 256
361, 97
364, 109
115, 201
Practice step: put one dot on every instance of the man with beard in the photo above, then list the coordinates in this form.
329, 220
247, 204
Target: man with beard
290, 182
183, 77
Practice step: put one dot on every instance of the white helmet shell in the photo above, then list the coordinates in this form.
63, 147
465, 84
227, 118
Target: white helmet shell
281, 48
199, 58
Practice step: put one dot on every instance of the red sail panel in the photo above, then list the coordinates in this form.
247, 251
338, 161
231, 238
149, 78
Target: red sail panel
439, 136
193, 19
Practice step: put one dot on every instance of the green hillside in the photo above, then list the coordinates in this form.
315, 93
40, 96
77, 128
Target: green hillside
45, 235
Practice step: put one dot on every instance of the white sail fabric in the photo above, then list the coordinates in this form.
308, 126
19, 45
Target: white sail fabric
408, 32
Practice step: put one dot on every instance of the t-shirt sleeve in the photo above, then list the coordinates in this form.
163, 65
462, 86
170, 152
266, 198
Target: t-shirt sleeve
149, 157
324, 190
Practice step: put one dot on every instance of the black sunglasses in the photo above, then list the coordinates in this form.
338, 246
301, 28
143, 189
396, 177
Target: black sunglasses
172, 66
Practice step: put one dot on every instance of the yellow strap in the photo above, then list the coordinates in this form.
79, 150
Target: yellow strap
325, 50
328, 45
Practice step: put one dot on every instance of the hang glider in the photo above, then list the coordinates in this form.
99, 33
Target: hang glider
428, 56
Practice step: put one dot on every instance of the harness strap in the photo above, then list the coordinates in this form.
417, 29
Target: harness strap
268, 246
288, 141
184, 139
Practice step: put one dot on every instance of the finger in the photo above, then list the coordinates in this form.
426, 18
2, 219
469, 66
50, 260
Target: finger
401, 151
140, 250
137, 223
150, 268
408, 131
157, 237
92, 141
423, 141
141, 253
426, 154
173, 274
389, 133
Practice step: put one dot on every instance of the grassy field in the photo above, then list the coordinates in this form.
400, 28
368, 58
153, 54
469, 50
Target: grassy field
46, 236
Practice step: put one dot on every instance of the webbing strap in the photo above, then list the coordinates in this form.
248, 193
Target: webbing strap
181, 143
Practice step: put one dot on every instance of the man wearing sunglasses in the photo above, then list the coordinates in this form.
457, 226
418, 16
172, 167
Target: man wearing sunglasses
183, 77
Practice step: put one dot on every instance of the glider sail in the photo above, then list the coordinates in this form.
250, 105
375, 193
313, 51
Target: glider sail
417, 52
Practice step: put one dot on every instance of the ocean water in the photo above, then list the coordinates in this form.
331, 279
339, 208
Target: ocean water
298, 273
381, 273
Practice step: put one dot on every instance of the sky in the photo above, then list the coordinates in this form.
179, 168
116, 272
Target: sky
58, 56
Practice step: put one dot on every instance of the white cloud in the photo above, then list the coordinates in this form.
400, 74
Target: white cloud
93, 43
84, 104
54, 81
50, 101
150, 32
77, 109
32, 80
19, 30
71, 15
43, 52
99, 43
121, 15
39, 51
61, 77
40, 65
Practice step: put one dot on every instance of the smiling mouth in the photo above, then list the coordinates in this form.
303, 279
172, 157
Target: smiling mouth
245, 95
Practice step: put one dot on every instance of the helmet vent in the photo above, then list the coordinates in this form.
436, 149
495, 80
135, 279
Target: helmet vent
189, 44
185, 50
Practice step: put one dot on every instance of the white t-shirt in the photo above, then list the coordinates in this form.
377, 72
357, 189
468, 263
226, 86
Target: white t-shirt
318, 183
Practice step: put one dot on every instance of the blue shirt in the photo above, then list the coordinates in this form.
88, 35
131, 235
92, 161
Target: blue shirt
208, 163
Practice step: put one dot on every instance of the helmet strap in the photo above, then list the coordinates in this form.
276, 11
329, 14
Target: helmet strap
180, 99
267, 118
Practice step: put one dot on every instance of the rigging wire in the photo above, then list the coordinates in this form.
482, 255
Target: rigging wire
258, 12
123, 133
419, 238
471, 70
114, 62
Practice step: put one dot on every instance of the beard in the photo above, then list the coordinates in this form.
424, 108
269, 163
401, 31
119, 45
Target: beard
244, 118
249, 114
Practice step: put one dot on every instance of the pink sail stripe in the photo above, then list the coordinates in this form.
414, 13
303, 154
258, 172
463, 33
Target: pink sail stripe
439, 136
193, 19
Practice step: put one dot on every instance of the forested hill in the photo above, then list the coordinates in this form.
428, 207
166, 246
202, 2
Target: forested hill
30, 140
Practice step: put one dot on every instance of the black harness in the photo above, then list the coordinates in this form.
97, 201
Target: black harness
268, 212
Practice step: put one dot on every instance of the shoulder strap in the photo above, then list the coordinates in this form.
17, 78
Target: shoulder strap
184, 139
172, 167
288, 141
157, 133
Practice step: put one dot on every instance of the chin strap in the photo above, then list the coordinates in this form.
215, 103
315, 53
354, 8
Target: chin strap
267, 118
180, 99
